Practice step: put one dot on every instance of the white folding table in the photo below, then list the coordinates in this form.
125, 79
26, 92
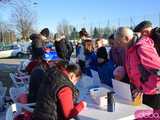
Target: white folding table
123, 109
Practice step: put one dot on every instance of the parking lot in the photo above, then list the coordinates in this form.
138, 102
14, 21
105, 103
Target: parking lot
7, 66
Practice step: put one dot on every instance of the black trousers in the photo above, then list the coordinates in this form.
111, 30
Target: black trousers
152, 100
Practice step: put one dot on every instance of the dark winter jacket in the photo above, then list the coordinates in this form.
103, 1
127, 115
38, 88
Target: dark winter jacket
37, 76
64, 49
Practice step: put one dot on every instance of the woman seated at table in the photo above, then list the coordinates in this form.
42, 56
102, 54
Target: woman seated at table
57, 96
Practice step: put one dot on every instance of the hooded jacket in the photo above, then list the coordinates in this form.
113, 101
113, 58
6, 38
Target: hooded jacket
143, 53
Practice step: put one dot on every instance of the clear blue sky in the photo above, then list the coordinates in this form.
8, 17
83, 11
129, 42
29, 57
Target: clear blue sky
95, 12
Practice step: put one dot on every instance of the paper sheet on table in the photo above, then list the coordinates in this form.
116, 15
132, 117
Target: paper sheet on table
85, 82
122, 89
96, 79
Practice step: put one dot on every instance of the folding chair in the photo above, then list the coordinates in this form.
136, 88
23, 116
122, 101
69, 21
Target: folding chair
2, 95
15, 93
23, 65
19, 81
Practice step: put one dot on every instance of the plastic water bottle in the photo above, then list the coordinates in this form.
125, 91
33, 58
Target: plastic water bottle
111, 102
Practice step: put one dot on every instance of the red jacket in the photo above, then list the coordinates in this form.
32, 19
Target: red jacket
144, 53
70, 110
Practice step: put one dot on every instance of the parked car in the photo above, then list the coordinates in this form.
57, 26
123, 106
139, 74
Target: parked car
11, 51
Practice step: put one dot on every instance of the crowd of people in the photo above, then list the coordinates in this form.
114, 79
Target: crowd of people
133, 59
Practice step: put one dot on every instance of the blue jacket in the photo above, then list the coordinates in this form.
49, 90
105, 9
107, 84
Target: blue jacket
90, 63
105, 72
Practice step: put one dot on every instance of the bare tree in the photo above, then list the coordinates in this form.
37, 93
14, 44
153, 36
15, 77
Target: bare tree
7, 35
64, 27
23, 18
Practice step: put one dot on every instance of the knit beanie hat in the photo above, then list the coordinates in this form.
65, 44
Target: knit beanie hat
142, 25
45, 32
102, 53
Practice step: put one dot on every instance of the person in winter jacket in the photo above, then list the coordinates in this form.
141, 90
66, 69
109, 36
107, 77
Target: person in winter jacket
35, 44
63, 47
38, 41
142, 64
45, 60
83, 33
70, 49
37, 75
105, 66
90, 57
116, 52
36, 79
57, 97
146, 29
